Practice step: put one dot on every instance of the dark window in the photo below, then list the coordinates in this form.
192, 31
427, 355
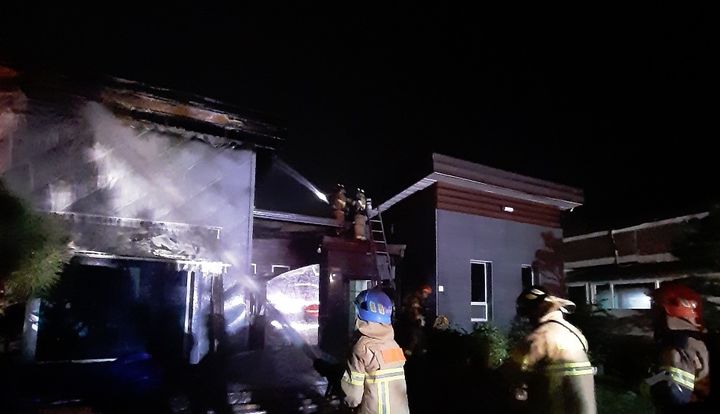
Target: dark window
480, 291
279, 269
577, 294
479, 280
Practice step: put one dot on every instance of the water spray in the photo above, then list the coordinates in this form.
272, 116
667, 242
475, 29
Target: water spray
302, 180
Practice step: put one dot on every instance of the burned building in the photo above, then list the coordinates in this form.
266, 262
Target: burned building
177, 209
157, 190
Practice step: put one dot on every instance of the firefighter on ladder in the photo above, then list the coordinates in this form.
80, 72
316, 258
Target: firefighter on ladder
360, 222
681, 381
338, 201
550, 368
374, 380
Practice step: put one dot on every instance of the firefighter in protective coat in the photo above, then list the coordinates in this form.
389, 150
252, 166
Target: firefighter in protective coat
414, 314
681, 381
374, 380
552, 373
360, 222
339, 204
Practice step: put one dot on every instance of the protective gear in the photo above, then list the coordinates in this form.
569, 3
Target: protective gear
681, 380
551, 366
680, 301
373, 305
374, 378
360, 223
441, 323
426, 289
536, 298
360, 201
339, 206
413, 322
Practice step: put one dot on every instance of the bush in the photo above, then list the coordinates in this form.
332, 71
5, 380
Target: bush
489, 346
485, 347
520, 328
34, 248
612, 399
620, 355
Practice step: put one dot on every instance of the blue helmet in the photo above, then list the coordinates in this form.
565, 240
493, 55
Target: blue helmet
373, 305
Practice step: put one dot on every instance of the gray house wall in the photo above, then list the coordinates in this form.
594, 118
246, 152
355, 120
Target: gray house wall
507, 244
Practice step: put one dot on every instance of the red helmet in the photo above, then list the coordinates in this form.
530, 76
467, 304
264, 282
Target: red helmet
426, 288
679, 301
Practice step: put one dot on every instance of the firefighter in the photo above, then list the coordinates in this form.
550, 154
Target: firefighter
360, 215
551, 366
681, 381
415, 320
374, 379
339, 206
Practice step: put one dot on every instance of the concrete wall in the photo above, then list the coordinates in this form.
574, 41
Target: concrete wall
508, 245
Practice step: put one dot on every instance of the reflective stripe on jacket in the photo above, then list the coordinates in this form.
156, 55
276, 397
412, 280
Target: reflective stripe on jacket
557, 372
374, 379
682, 376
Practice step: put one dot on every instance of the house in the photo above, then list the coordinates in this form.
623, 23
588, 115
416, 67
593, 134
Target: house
478, 235
177, 208
157, 190
617, 269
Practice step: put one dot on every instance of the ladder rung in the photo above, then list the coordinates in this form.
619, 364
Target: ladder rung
383, 253
378, 231
375, 221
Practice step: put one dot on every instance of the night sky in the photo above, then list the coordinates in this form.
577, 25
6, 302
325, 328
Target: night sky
618, 101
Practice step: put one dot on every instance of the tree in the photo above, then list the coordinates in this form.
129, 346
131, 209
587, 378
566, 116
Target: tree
549, 263
33, 249
699, 242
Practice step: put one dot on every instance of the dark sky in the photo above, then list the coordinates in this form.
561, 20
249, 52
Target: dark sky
618, 101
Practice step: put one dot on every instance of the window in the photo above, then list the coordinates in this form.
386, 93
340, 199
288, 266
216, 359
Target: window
278, 269
480, 291
578, 294
633, 295
624, 295
604, 296
620, 294
529, 276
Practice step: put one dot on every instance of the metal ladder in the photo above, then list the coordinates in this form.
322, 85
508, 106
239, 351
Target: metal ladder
378, 244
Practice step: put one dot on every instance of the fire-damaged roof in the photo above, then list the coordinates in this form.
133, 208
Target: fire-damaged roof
174, 110
189, 112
